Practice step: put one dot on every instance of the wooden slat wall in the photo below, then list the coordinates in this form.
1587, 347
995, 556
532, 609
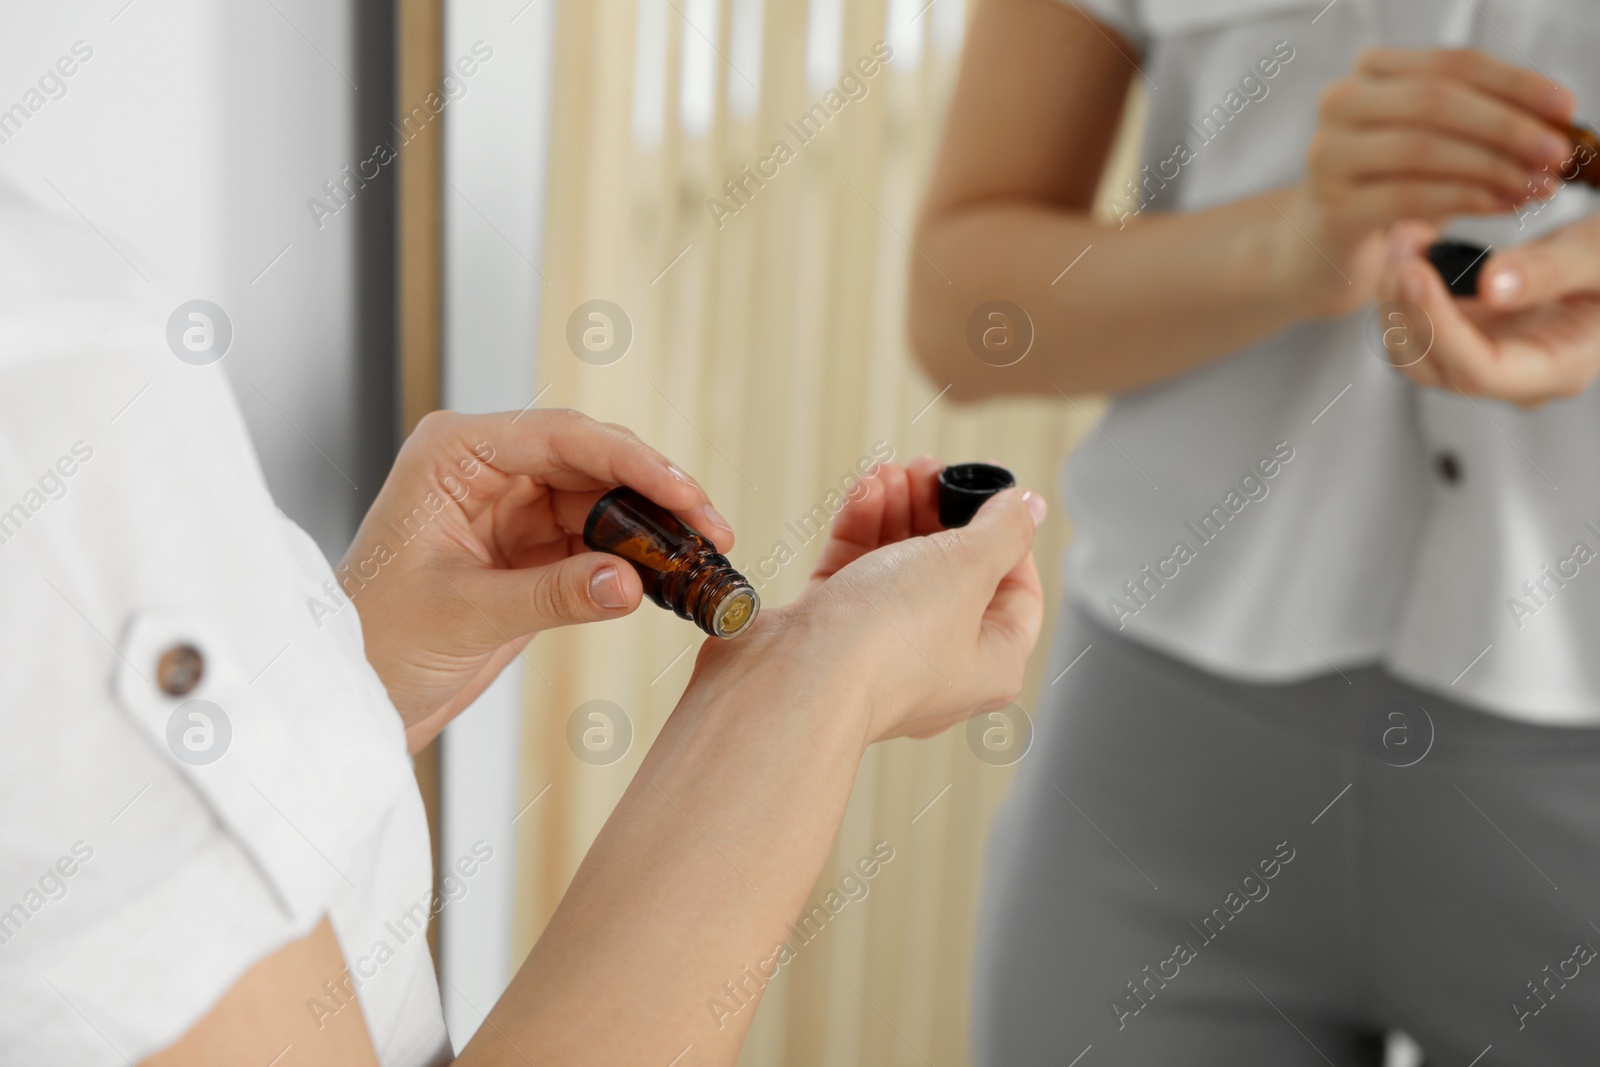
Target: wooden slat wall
419, 50
767, 360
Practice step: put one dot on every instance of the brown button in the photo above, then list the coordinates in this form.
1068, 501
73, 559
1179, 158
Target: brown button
1448, 466
179, 670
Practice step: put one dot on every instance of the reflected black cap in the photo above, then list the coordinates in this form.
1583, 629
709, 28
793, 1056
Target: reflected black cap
1458, 263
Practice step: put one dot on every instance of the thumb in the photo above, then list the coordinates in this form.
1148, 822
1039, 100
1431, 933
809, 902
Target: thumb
1567, 261
1000, 536
588, 587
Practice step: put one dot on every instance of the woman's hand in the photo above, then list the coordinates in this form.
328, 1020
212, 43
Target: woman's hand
475, 544
1532, 334
1414, 134
719, 839
929, 626
894, 503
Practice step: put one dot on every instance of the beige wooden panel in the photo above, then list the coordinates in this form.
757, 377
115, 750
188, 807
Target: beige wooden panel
419, 46
768, 356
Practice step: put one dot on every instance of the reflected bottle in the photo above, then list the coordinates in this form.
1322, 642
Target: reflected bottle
1584, 163
682, 571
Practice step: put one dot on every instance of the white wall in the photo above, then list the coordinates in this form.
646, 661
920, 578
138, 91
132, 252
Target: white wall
191, 139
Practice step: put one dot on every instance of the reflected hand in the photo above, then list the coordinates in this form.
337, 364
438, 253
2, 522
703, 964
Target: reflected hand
475, 544
1423, 134
1532, 334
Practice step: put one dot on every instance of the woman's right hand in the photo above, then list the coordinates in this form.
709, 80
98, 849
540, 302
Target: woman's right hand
1420, 134
924, 627
716, 844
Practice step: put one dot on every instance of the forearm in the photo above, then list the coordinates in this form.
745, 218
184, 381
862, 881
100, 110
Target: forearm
690, 887
709, 855
1164, 294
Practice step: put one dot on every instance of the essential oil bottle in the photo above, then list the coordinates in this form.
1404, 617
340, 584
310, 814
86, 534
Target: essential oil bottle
1585, 159
682, 571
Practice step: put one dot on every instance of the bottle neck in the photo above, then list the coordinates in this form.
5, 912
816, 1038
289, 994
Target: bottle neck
718, 598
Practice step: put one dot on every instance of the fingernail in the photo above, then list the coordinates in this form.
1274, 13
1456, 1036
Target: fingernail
1036, 507
678, 474
1553, 146
1558, 100
716, 519
605, 588
1506, 284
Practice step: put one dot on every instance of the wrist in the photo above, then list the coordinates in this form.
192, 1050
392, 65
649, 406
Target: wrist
1294, 283
796, 670
1319, 267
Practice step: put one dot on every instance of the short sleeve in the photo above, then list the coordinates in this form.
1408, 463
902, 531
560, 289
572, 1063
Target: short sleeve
1121, 15
198, 765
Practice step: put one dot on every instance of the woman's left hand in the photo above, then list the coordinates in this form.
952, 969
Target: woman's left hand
475, 544
894, 503
1533, 332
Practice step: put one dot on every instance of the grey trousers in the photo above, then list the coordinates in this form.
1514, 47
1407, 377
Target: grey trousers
1191, 870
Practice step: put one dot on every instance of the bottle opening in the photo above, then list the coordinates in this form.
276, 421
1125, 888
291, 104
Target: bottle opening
737, 611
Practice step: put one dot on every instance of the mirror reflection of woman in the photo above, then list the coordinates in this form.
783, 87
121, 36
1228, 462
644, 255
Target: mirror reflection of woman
1296, 566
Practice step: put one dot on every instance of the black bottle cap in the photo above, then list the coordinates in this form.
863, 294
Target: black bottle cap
1458, 263
964, 487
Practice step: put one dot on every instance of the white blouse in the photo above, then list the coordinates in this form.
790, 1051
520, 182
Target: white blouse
154, 846
1300, 506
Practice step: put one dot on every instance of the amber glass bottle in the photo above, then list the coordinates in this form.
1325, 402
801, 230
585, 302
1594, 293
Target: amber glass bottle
1584, 165
682, 571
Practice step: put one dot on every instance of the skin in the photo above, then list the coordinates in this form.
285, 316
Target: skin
903, 629
1533, 333
1408, 136
265, 1011
504, 559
